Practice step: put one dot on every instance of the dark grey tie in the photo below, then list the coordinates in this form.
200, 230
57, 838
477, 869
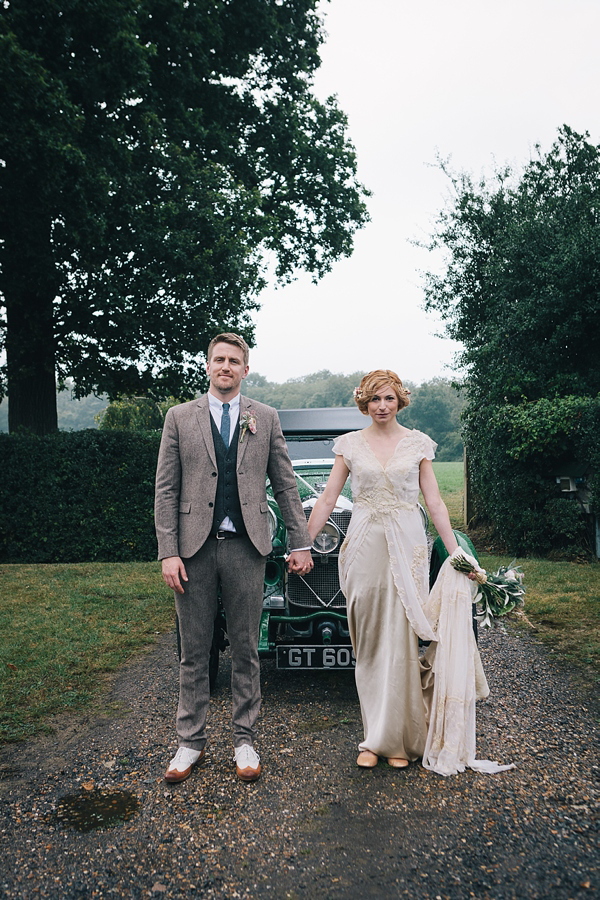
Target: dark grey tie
225, 424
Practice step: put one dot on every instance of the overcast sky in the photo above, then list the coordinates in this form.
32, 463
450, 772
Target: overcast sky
480, 81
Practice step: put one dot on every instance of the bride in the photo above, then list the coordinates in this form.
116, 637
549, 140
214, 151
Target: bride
384, 576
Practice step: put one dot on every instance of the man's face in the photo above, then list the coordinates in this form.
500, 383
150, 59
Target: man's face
226, 369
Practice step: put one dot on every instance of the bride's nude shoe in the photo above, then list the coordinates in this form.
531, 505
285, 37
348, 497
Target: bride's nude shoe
397, 762
367, 760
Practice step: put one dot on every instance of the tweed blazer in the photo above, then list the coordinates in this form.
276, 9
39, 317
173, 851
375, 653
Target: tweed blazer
186, 480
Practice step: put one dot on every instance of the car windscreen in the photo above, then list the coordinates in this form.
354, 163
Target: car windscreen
310, 449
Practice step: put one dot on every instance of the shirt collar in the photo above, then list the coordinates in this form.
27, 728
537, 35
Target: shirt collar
217, 405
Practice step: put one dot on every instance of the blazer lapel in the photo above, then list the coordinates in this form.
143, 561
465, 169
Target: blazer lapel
203, 417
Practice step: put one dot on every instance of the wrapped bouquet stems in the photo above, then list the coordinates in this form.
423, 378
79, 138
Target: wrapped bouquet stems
497, 594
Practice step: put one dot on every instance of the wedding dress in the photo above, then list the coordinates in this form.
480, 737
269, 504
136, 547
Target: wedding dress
410, 707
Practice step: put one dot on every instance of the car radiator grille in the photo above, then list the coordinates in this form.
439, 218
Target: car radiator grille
321, 587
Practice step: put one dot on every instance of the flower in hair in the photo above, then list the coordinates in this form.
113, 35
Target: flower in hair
357, 393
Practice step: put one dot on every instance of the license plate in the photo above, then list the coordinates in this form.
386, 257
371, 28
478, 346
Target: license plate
296, 657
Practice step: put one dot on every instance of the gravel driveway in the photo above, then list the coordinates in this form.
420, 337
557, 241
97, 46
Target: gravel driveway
314, 826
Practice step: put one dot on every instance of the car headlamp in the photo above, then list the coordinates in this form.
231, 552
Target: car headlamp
327, 539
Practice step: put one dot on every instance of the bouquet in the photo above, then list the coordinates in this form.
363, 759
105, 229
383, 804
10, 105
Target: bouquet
498, 594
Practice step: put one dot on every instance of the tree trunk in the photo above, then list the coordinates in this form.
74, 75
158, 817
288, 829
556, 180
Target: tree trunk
29, 283
30, 365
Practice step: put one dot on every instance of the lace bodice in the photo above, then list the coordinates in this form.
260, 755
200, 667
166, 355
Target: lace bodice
388, 488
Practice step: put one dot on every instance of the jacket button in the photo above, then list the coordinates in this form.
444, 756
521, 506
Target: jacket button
214, 474
210, 505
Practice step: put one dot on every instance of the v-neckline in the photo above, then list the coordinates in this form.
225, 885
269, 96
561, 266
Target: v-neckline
387, 462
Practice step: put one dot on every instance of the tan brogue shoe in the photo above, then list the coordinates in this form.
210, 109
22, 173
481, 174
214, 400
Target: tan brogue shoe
247, 763
182, 764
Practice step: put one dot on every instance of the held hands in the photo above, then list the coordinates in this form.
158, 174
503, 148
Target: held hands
172, 569
299, 562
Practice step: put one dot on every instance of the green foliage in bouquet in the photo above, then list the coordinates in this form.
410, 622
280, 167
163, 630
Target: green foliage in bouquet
498, 594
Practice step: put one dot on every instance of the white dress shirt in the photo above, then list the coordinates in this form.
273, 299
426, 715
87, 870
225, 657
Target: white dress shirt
216, 411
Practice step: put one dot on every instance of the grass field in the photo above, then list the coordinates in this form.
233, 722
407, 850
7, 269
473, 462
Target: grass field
64, 628
563, 603
450, 479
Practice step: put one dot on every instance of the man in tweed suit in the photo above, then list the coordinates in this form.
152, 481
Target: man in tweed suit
211, 516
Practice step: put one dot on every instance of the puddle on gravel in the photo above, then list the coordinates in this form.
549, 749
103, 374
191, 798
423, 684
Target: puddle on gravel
88, 810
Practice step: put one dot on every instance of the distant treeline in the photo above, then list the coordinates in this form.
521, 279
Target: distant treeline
435, 406
73, 415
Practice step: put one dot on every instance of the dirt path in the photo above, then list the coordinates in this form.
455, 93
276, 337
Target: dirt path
314, 826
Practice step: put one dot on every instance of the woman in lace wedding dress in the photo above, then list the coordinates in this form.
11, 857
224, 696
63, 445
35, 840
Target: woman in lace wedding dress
384, 576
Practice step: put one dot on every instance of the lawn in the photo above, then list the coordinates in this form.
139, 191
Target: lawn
450, 478
65, 628
563, 603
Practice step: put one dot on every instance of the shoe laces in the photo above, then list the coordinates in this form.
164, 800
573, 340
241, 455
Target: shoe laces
246, 757
182, 758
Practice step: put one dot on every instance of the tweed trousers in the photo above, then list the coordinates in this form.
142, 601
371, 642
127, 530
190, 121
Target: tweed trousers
237, 568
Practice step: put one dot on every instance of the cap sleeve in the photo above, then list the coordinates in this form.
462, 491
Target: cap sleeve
342, 446
429, 447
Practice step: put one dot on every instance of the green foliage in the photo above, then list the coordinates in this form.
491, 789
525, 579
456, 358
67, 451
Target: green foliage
435, 408
134, 414
153, 154
521, 291
515, 454
521, 286
79, 496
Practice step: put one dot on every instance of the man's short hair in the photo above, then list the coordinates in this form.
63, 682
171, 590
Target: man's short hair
228, 337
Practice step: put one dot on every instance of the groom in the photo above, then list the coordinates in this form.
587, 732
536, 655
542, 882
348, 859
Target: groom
212, 524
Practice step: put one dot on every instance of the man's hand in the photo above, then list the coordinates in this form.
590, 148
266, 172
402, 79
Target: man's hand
172, 569
300, 562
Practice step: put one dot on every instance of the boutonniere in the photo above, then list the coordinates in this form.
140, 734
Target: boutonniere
247, 423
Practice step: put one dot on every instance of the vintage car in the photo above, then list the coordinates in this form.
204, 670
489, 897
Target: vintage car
304, 623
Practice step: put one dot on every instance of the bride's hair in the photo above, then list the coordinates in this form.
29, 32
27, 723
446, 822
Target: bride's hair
372, 383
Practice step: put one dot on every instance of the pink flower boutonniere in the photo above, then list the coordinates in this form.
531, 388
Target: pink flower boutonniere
247, 423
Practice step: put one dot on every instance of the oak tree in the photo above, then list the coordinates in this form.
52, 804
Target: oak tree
155, 157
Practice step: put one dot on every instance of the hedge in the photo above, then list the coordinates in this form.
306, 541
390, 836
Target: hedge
514, 454
77, 497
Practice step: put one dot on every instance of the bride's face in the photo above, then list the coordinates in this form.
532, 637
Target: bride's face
384, 405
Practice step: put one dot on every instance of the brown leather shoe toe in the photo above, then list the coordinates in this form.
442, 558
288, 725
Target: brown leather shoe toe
247, 765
